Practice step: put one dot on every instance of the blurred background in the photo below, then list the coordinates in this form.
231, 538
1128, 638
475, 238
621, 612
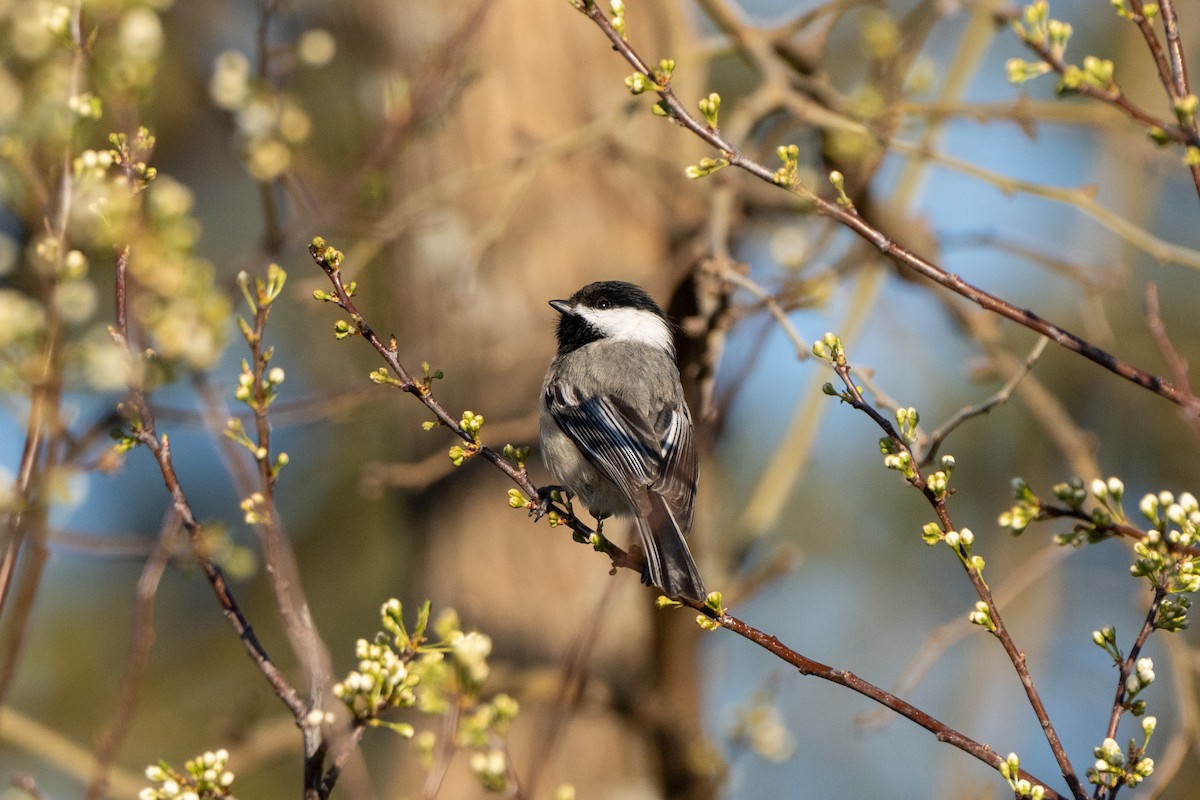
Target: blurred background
474, 160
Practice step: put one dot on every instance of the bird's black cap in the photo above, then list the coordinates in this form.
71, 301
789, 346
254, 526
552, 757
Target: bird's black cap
615, 294
574, 331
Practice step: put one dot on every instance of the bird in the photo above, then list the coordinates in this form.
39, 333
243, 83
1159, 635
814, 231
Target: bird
616, 432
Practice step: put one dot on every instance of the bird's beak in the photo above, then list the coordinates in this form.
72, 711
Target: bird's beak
562, 306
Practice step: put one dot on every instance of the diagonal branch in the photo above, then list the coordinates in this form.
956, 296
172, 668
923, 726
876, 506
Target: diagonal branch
144, 432
898, 253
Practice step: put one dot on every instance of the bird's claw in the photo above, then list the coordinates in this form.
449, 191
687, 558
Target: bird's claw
543, 501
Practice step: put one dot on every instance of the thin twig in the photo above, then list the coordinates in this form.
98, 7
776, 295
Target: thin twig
144, 431
343, 749
803, 348
45, 744
1171, 71
283, 570
1128, 665
571, 683
442, 754
25, 521
963, 414
1180, 87
939, 640
1175, 360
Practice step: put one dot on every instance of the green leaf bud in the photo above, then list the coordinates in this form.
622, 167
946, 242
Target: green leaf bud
709, 108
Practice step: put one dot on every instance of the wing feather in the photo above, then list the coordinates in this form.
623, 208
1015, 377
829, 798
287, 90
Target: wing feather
634, 452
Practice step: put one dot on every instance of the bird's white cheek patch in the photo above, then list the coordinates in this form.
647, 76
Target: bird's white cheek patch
631, 325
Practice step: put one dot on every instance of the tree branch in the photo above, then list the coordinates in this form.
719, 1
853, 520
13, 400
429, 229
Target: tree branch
901, 255
142, 419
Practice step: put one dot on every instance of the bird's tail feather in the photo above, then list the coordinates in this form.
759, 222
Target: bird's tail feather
669, 563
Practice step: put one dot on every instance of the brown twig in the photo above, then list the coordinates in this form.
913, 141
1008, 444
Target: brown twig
1179, 87
571, 683
1114, 527
442, 754
1127, 666
1175, 360
343, 750
142, 419
939, 640
901, 255
1171, 72
283, 570
935, 439
849, 680
1114, 97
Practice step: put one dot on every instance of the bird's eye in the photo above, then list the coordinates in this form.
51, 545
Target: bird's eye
603, 304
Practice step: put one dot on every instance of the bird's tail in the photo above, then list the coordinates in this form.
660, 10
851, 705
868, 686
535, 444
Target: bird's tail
669, 563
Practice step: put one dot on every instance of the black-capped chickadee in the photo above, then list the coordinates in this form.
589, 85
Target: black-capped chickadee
615, 429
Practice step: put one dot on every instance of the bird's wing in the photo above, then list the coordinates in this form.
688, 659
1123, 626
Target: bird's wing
677, 475
610, 433
632, 451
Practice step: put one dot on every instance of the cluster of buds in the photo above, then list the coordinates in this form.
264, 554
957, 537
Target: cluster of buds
1109, 493
618, 16
1097, 72
709, 109
907, 420
1164, 556
829, 348
470, 651
939, 481
982, 616
203, 777
93, 163
706, 167
897, 458
491, 768
269, 385
1114, 767
383, 678
1023, 789
382, 681
789, 174
960, 542
1141, 676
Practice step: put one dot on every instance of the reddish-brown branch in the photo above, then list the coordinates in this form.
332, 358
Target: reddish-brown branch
1129, 664
901, 255
849, 680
